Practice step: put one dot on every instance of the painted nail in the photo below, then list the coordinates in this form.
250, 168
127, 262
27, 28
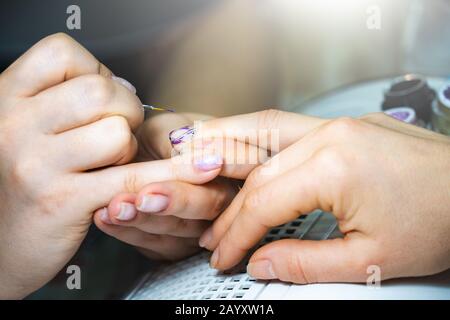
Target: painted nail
215, 258
104, 216
181, 135
153, 203
208, 162
125, 83
261, 269
127, 212
206, 238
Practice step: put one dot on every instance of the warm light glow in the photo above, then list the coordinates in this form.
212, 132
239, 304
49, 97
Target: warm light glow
320, 6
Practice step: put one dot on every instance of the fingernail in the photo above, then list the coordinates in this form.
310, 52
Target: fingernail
208, 162
261, 269
104, 216
205, 239
127, 212
215, 258
153, 203
125, 83
181, 135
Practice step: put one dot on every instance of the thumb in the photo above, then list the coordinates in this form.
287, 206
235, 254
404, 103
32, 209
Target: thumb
305, 261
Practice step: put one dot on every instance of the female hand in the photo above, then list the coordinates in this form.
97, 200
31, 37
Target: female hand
165, 219
65, 121
386, 182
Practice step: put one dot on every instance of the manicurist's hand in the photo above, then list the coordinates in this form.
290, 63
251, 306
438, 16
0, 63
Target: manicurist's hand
386, 182
165, 219
65, 122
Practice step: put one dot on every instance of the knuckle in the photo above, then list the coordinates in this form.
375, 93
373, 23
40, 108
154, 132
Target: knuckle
59, 47
21, 173
344, 126
335, 162
256, 177
270, 118
217, 207
119, 131
250, 202
296, 272
99, 90
183, 200
130, 181
59, 38
376, 117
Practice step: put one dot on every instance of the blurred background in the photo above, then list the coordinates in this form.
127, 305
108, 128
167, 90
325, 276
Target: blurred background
224, 57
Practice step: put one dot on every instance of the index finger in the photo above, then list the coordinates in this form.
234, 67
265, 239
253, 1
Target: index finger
51, 61
262, 129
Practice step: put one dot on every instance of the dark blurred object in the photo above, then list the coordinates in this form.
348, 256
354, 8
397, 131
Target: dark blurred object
410, 91
441, 111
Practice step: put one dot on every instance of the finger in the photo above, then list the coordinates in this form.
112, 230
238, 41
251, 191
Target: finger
103, 185
52, 60
169, 247
105, 142
291, 157
83, 100
185, 200
122, 211
270, 205
254, 128
239, 157
304, 261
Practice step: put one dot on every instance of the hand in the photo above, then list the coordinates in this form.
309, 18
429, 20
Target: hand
64, 122
165, 219
386, 182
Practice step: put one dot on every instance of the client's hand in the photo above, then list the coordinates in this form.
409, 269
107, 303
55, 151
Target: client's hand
386, 182
165, 219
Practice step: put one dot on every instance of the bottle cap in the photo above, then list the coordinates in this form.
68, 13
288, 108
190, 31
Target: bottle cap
411, 91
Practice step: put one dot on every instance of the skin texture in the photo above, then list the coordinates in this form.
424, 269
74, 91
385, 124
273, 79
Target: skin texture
67, 134
386, 182
172, 233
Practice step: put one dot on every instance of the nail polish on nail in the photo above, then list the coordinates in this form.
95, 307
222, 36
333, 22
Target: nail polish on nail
181, 135
205, 239
208, 162
104, 216
127, 212
215, 258
261, 269
125, 83
153, 203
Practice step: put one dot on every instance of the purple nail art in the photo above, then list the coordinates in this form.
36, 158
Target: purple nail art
404, 114
180, 135
209, 162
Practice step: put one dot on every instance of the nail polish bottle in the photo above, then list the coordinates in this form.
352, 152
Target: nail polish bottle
411, 91
440, 119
